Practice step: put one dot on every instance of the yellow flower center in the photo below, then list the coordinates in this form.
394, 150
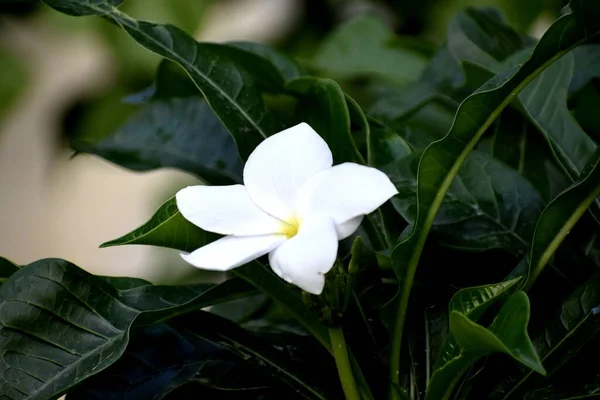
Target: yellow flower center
290, 227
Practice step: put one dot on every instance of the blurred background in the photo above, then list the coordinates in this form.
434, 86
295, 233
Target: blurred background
62, 75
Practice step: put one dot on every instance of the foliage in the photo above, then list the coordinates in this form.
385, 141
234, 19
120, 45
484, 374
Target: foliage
479, 280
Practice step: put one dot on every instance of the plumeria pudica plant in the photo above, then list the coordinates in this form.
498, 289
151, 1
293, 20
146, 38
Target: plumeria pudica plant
431, 232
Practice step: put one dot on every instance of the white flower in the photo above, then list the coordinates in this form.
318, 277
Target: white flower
293, 205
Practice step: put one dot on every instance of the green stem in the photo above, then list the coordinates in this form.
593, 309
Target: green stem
340, 352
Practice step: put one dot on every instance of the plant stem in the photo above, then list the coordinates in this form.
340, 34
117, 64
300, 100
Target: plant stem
340, 352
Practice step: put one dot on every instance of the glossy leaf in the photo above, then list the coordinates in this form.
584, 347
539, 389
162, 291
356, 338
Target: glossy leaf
324, 106
207, 348
362, 47
287, 67
489, 205
182, 133
167, 228
384, 145
472, 303
231, 337
563, 336
587, 61
60, 325
230, 90
507, 334
441, 161
517, 143
545, 103
561, 215
467, 59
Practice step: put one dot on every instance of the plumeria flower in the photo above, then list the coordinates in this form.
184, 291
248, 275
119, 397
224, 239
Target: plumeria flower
293, 205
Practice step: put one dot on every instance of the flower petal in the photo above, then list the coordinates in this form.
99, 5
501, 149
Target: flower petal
281, 164
232, 251
345, 192
345, 229
304, 259
227, 210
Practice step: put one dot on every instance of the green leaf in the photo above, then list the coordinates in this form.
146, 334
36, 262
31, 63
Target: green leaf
561, 215
442, 160
167, 228
230, 336
517, 143
575, 323
230, 90
182, 133
472, 303
384, 145
323, 104
7, 268
271, 285
507, 334
587, 62
467, 60
545, 103
489, 205
362, 47
60, 324
288, 68
552, 393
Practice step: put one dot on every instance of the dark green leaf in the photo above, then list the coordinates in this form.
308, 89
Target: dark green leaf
464, 63
384, 145
507, 334
551, 393
182, 133
271, 285
441, 161
362, 47
60, 325
228, 335
587, 62
517, 143
545, 103
563, 336
287, 67
167, 228
472, 303
489, 205
324, 105
561, 215
230, 90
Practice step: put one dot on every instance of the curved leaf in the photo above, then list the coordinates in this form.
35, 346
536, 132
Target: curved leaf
471, 303
167, 228
384, 145
545, 103
563, 336
441, 161
205, 348
287, 67
507, 334
230, 90
324, 105
182, 133
489, 205
60, 325
361, 47
561, 215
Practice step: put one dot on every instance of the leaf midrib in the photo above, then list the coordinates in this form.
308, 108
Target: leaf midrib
123, 20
